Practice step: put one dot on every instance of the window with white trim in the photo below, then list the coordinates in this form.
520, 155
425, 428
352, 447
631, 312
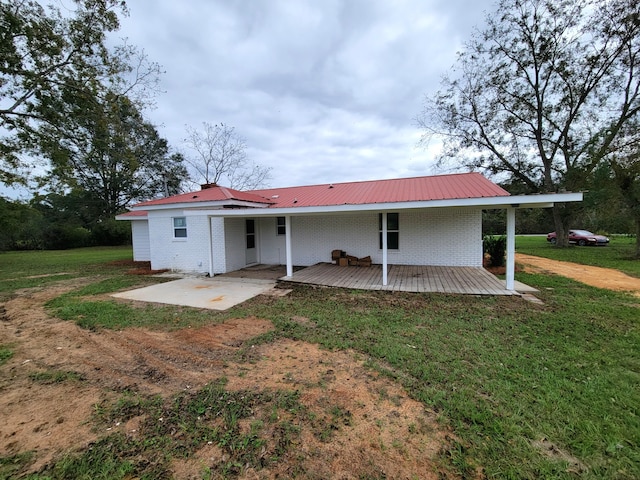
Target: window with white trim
393, 231
179, 227
281, 226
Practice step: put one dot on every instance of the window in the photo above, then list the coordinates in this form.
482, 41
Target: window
250, 225
180, 227
393, 231
281, 226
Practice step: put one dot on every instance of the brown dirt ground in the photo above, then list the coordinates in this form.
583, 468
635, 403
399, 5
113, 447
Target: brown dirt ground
389, 434
594, 276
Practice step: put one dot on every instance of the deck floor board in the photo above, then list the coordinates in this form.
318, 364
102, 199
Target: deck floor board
404, 278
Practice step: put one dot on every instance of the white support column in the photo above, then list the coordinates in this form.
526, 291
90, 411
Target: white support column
511, 247
384, 249
210, 248
287, 241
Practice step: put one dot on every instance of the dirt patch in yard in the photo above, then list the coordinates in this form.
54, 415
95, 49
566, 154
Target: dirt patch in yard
385, 434
594, 276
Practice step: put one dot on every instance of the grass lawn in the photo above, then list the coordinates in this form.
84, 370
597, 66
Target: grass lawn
529, 391
36, 268
618, 254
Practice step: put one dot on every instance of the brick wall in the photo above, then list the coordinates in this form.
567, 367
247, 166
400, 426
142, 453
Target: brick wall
140, 240
190, 254
426, 237
234, 233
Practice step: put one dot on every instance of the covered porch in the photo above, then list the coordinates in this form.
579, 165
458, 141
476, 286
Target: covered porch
407, 278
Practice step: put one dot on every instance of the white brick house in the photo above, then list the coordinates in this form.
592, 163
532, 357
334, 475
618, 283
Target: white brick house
433, 220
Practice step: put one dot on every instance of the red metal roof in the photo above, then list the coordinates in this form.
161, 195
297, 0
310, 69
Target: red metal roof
134, 213
416, 189
439, 187
212, 194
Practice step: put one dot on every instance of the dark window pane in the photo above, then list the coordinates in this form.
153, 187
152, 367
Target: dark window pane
251, 227
251, 241
393, 226
393, 240
180, 232
392, 221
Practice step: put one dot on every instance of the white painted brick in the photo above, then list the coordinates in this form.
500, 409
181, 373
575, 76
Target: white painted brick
234, 233
190, 254
427, 237
140, 240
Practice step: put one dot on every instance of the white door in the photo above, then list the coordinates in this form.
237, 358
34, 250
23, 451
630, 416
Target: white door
250, 234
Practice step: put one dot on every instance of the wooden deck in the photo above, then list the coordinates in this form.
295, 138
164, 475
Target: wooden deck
404, 278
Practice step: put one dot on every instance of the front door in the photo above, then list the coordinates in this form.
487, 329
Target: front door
250, 233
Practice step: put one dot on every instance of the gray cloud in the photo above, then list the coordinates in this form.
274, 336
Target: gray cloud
322, 91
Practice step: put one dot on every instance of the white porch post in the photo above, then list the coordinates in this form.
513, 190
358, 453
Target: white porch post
511, 247
384, 248
287, 241
210, 248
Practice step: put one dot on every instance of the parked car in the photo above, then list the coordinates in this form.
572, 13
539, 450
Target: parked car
581, 237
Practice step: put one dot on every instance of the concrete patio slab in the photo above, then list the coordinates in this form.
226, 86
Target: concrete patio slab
199, 292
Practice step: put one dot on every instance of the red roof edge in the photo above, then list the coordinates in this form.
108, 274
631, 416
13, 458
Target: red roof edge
133, 214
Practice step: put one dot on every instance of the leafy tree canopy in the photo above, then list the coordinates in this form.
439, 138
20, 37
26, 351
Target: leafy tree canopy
542, 93
107, 151
48, 55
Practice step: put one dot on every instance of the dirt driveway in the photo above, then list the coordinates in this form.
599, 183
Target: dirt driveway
594, 276
386, 433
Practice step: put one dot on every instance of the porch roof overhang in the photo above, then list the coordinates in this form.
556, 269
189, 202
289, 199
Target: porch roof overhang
503, 202
199, 206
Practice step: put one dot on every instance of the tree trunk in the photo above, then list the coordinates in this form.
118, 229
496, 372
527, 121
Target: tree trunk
637, 219
561, 223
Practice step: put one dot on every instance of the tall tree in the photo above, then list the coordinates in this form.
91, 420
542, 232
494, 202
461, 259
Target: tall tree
108, 150
220, 155
542, 93
46, 56
624, 163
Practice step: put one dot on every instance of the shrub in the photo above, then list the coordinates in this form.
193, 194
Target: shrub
111, 232
495, 247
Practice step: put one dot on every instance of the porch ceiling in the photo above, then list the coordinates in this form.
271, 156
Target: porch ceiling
406, 278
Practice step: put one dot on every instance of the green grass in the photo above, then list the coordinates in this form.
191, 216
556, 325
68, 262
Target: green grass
38, 268
49, 377
501, 372
517, 383
5, 354
618, 254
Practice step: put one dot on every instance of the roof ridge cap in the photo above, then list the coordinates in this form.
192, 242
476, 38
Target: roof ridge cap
395, 179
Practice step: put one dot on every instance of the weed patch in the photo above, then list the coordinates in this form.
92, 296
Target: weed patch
5, 354
180, 426
49, 377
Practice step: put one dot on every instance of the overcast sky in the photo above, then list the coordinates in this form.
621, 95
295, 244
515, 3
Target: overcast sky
322, 90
